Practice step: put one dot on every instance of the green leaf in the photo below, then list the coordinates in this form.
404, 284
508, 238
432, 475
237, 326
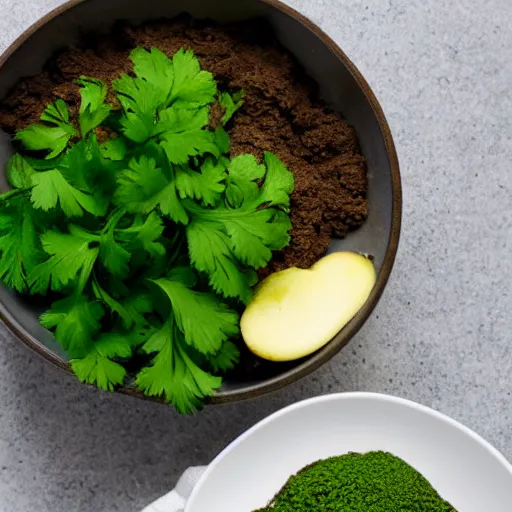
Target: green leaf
43, 165
114, 149
247, 230
206, 185
222, 139
155, 68
143, 187
183, 275
139, 103
145, 233
20, 247
84, 167
99, 366
40, 137
76, 321
191, 86
112, 304
51, 188
178, 120
181, 134
230, 104
249, 227
172, 374
141, 96
204, 321
114, 256
98, 370
252, 234
93, 110
19, 172
71, 258
138, 303
278, 185
138, 126
179, 147
226, 359
56, 113
210, 252
244, 174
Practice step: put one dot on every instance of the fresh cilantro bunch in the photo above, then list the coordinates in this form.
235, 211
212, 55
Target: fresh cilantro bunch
147, 241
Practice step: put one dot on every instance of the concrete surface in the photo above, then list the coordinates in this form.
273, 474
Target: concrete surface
442, 332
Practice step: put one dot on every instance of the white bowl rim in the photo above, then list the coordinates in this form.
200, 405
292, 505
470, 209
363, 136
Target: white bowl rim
355, 395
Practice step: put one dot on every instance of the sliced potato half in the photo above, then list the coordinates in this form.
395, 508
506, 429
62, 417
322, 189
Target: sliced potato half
295, 312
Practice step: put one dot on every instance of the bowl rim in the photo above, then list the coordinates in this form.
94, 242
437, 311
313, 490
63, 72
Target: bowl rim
345, 397
340, 340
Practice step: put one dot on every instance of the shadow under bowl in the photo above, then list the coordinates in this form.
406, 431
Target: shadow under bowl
341, 86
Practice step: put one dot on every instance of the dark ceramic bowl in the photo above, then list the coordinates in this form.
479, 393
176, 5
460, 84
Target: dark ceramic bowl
341, 86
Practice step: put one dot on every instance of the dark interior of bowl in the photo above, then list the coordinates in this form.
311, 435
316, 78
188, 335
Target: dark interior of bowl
340, 86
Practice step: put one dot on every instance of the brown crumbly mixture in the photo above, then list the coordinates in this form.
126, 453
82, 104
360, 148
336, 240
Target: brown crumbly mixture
281, 114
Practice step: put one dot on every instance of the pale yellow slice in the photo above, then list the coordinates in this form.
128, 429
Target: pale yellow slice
295, 312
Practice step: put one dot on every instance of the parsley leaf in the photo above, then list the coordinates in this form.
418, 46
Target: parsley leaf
143, 187
56, 113
71, 257
210, 252
141, 96
98, 368
204, 321
19, 245
181, 134
101, 364
244, 173
139, 104
226, 359
112, 254
222, 139
75, 320
114, 149
40, 137
179, 147
206, 185
19, 172
230, 104
93, 110
112, 304
192, 87
177, 120
155, 68
173, 374
138, 304
278, 184
247, 230
84, 167
144, 233
51, 188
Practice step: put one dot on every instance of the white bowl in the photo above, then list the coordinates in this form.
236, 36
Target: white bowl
466, 470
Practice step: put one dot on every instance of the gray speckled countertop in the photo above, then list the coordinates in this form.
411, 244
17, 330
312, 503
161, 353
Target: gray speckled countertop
442, 332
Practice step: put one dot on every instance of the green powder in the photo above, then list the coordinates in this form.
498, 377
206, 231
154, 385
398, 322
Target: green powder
372, 482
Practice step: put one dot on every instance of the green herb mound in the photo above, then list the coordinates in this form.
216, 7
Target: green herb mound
371, 482
147, 242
